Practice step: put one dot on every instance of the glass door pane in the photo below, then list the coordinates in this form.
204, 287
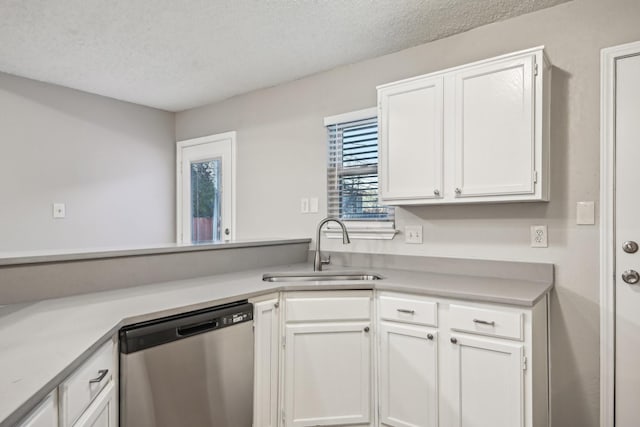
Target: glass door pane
206, 206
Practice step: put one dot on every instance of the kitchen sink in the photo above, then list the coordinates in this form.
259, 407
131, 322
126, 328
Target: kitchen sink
319, 276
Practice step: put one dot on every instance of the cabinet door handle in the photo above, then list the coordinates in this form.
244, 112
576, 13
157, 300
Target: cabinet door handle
429, 336
366, 329
404, 310
454, 340
484, 322
101, 374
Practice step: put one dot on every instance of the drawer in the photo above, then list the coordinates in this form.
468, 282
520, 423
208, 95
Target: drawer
318, 309
81, 387
485, 321
409, 310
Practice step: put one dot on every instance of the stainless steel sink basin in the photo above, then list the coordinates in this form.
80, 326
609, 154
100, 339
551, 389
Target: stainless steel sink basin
319, 276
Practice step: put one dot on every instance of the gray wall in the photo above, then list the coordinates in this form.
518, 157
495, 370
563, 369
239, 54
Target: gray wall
282, 157
112, 163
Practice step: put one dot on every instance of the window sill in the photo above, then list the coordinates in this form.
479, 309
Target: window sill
362, 230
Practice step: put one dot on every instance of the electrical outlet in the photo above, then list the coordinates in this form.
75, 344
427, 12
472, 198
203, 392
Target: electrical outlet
413, 234
539, 236
59, 210
304, 205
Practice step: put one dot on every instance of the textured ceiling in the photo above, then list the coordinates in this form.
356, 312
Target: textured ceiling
175, 55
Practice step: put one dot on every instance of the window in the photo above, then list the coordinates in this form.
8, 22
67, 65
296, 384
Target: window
352, 175
205, 185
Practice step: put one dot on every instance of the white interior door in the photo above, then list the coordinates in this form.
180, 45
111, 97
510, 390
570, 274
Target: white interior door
205, 189
627, 223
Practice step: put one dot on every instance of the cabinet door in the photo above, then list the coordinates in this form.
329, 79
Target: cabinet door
45, 414
408, 376
494, 129
327, 374
265, 395
487, 383
102, 412
411, 140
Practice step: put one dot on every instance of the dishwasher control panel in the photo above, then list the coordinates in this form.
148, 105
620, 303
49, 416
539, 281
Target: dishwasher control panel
236, 318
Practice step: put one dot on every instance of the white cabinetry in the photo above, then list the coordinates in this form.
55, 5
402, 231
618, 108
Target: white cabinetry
475, 133
411, 116
102, 412
328, 358
488, 382
266, 361
453, 363
44, 415
408, 375
408, 361
86, 398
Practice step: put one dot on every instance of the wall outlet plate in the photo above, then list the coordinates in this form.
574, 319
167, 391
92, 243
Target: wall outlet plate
539, 236
413, 234
59, 210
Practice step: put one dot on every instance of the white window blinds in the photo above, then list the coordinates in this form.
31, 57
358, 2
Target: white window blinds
352, 172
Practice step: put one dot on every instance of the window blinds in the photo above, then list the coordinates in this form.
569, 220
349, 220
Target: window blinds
352, 172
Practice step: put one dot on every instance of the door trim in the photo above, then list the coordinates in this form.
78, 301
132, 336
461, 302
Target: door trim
608, 58
198, 141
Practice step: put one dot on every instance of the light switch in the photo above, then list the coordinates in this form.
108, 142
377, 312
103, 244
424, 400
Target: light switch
413, 234
59, 210
313, 205
304, 205
585, 213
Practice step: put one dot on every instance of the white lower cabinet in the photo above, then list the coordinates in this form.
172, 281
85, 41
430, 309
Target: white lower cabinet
328, 359
488, 382
86, 398
44, 415
451, 363
102, 412
266, 317
408, 375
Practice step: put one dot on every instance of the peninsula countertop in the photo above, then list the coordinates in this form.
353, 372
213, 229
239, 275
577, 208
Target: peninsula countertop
41, 343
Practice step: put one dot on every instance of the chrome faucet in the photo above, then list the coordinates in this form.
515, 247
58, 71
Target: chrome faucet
318, 262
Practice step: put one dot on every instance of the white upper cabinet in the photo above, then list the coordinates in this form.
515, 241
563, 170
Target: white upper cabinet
475, 133
411, 117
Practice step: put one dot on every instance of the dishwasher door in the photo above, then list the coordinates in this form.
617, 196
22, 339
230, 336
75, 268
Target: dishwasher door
203, 379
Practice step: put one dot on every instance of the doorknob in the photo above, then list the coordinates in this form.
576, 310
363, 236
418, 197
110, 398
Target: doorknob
631, 277
630, 247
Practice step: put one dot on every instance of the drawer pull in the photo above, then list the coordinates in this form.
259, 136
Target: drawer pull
102, 373
404, 310
484, 322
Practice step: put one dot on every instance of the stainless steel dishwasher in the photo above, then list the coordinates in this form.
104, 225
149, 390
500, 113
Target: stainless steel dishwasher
193, 369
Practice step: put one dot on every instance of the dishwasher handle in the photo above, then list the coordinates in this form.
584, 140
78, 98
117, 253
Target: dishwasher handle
196, 328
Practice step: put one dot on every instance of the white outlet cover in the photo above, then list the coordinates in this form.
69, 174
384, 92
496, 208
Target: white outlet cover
59, 210
539, 236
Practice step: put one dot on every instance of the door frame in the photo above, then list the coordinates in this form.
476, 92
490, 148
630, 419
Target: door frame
179, 196
608, 58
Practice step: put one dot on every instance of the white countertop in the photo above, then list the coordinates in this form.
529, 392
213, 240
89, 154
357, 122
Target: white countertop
41, 343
